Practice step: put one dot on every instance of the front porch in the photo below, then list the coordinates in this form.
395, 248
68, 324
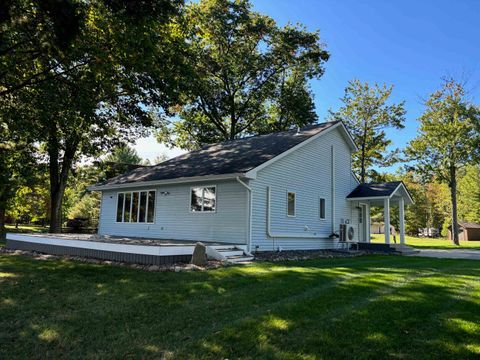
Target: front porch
386, 195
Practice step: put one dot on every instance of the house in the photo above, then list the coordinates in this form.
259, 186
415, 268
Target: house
287, 190
468, 231
379, 228
291, 190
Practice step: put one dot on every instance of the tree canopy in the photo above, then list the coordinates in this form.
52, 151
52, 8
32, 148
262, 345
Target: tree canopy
248, 75
448, 139
367, 113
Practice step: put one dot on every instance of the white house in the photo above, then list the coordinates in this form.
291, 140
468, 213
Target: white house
286, 190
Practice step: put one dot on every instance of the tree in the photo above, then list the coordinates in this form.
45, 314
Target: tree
366, 113
469, 194
249, 76
448, 139
121, 66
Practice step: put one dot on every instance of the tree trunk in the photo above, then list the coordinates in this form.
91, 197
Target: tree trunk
2, 220
453, 194
58, 176
362, 167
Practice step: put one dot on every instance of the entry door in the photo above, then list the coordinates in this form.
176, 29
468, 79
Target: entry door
362, 223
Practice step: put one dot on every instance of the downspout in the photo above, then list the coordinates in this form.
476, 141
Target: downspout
333, 188
249, 210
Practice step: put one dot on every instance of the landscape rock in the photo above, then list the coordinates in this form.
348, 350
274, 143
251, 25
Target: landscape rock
199, 256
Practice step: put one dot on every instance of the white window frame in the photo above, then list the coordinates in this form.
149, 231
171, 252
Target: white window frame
320, 208
203, 189
294, 204
138, 208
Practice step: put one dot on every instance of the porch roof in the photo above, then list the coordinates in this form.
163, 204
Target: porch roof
378, 191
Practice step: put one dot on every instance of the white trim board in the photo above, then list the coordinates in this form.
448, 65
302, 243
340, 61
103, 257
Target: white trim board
164, 250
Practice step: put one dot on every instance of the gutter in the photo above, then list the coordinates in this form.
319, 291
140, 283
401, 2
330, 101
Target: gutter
180, 180
249, 210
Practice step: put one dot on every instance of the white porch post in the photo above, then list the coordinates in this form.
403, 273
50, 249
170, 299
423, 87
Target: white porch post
401, 204
368, 222
386, 212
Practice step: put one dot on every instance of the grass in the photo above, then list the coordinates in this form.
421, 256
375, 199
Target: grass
26, 229
343, 308
437, 243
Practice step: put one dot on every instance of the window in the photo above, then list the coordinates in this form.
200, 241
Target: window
203, 199
291, 203
136, 207
322, 208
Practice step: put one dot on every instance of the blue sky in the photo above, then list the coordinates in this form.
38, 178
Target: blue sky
410, 44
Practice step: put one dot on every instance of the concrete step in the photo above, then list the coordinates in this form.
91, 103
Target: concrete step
239, 259
230, 252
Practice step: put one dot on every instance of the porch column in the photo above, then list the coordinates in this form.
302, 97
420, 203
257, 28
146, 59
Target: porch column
401, 204
368, 223
386, 215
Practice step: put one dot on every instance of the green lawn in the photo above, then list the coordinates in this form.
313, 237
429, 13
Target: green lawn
26, 229
365, 307
438, 243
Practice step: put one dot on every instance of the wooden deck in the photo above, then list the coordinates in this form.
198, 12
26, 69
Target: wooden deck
122, 249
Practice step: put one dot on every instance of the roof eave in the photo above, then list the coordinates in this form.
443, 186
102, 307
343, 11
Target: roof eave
182, 180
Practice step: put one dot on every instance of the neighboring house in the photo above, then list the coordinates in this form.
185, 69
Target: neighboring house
468, 231
286, 190
379, 228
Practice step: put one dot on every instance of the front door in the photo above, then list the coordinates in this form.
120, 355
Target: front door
362, 222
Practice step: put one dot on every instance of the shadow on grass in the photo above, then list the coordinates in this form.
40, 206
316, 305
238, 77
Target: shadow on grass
376, 306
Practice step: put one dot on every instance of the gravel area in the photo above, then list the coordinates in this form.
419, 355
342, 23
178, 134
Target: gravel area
296, 255
177, 267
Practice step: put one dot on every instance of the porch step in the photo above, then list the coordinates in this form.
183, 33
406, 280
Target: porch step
234, 254
230, 252
239, 259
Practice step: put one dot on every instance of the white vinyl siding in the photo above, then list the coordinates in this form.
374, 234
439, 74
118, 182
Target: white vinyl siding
173, 219
307, 171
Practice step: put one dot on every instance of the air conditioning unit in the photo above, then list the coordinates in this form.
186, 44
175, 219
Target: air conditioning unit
350, 233
347, 232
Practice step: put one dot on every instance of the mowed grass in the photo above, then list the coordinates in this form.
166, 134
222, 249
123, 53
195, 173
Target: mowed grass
342, 308
436, 243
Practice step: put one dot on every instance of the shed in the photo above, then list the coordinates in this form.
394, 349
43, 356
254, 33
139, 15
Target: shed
468, 231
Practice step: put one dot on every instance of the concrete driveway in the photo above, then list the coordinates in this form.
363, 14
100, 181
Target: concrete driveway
449, 254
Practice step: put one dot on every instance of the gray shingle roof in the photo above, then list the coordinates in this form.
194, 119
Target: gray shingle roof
374, 190
469, 225
229, 157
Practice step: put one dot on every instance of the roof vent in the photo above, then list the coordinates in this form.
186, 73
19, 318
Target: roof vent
298, 130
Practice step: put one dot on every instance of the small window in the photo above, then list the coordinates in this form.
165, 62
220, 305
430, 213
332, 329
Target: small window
322, 208
120, 204
136, 207
291, 204
203, 199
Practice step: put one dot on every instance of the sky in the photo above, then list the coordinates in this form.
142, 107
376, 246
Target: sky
408, 44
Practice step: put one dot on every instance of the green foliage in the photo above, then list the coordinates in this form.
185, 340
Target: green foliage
367, 113
448, 139
469, 194
248, 75
87, 208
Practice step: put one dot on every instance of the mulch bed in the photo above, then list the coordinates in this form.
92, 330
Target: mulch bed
297, 255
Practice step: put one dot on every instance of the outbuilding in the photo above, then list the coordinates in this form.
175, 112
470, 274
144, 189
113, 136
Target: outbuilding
467, 231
